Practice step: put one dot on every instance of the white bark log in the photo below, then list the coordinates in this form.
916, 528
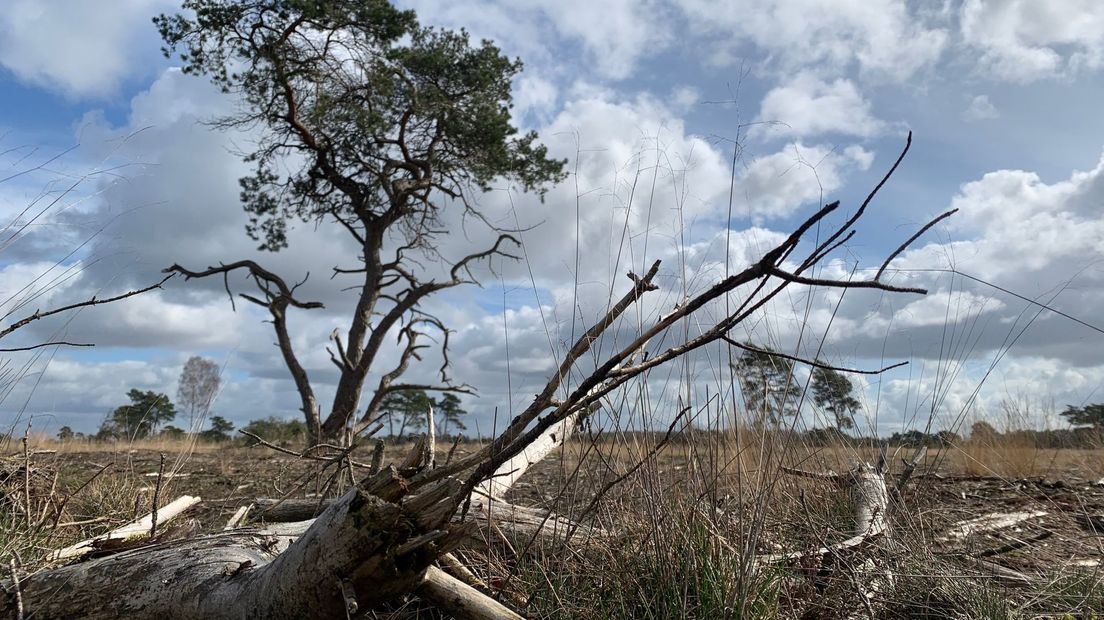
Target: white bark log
869, 501
521, 524
869, 506
134, 530
988, 523
494, 519
363, 545
239, 517
869, 509
461, 601
512, 470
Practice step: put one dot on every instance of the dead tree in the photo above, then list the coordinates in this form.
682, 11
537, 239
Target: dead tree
378, 542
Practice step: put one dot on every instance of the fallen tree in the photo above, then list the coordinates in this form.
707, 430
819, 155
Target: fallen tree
379, 541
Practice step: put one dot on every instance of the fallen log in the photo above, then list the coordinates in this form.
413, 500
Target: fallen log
460, 600
493, 519
869, 507
870, 497
272, 510
988, 523
134, 530
364, 548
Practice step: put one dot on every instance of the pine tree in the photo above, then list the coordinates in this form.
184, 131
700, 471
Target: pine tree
450, 413
832, 391
767, 384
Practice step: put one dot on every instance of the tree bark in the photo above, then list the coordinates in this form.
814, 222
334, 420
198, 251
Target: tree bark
362, 548
351, 383
493, 518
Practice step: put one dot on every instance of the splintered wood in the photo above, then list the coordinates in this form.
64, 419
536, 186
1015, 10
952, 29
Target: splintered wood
988, 523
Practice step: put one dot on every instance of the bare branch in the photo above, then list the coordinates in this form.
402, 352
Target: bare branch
910, 240
91, 302
48, 344
813, 363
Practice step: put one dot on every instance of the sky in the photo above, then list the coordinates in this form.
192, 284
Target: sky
698, 133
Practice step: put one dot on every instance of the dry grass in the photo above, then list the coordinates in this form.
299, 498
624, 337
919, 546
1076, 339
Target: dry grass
692, 518
1014, 459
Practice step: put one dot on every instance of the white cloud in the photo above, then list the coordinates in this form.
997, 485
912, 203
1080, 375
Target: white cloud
638, 178
615, 35
935, 308
1041, 240
534, 97
683, 97
808, 106
1024, 40
880, 37
981, 109
776, 185
80, 48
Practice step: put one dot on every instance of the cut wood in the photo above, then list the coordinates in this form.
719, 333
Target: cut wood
869, 504
131, 531
272, 510
870, 517
869, 500
239, 517
461, 601
988, 523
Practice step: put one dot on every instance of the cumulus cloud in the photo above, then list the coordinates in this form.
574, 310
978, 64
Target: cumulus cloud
981, 109
81, 49
1041, 240
776, 185
808, 106
534, 99
614, 36
882, 38
181, 205
1024, 41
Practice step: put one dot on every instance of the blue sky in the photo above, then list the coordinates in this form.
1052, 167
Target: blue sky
1002, 98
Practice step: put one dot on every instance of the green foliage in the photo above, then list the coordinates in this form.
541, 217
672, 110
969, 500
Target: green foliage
173, 433
768, 386
65, 433
1089, 415
380, 109
409, 407
139, 419
219, 431
277, 430
449, 412
832, 391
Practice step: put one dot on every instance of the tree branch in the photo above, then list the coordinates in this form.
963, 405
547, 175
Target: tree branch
91, 302
813, 363
48, 344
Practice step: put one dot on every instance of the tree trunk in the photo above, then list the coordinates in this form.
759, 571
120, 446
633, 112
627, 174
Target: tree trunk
362, 549
351, 383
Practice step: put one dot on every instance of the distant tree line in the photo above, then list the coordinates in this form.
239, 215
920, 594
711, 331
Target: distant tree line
149, 413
